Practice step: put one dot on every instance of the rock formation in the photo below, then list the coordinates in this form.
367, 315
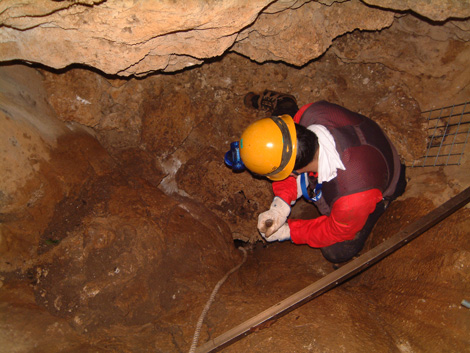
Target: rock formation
138, 38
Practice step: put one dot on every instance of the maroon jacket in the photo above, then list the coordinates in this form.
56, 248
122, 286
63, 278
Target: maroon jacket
370, 158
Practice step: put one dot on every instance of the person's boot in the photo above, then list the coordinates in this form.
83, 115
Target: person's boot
268, 100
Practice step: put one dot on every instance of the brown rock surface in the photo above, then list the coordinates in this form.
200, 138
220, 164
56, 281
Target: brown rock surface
129, 38
436, 10
298, 35
97, 245
123, 37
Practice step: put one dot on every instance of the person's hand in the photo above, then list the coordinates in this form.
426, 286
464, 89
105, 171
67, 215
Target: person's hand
282, 234
271, 220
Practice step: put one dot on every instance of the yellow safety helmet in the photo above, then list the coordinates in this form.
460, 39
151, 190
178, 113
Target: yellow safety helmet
268, 147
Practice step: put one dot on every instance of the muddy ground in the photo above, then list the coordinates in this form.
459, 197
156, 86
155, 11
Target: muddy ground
409, 302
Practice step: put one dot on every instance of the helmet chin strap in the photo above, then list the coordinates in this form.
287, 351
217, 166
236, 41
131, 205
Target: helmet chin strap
286, 146
303, 185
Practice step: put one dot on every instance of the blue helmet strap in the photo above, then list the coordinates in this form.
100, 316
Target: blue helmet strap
303, 186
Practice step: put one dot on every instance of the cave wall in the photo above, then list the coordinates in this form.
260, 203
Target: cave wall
137, 38
86, 242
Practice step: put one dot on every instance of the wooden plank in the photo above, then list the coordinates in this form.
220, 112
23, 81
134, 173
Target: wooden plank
340, 275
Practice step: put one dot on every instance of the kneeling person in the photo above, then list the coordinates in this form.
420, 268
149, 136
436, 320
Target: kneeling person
345, 158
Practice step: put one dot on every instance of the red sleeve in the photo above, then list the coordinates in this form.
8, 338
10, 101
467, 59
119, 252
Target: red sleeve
348, 216
286, 189
300, 112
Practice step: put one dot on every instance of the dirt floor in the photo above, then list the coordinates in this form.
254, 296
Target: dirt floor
410, 307
406, 303
103, 281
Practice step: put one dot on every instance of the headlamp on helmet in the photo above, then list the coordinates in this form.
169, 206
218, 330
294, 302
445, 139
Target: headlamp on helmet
233, 159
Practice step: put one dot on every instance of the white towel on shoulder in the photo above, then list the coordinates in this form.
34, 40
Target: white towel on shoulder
328, 157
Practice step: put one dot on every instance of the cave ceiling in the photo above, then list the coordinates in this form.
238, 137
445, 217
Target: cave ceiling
135, 38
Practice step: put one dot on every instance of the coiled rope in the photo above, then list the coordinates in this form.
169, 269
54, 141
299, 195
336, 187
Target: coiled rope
211, 299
